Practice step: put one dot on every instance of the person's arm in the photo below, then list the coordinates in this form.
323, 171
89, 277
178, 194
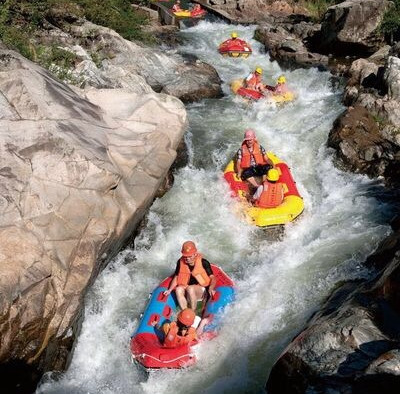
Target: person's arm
174, 281
238, 168
211, 288
207, 268
266, 158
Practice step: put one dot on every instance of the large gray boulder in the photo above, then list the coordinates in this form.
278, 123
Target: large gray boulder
352, 27
254, 11
352, 345
288, 48
104, 59
77, 174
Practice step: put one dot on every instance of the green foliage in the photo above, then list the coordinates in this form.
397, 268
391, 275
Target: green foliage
391, 21
317, 8
19, 19
117, 15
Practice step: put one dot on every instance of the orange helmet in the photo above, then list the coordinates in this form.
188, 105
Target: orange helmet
188, 249
249, 135
186, 317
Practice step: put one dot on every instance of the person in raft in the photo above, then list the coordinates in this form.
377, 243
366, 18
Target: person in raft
251, 159
177, 6
196, 8
180, 332
192, 279
279, 88
234, 39
270, 194
254, 80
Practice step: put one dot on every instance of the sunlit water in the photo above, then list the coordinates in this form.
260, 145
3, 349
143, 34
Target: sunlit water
280, 283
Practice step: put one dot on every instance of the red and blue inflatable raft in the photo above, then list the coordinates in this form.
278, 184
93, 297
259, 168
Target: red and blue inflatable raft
146, 343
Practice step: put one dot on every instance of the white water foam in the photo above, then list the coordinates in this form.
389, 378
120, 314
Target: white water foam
280, 283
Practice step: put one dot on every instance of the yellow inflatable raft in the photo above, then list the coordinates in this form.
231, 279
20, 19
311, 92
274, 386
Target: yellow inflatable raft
237, 88
288, 211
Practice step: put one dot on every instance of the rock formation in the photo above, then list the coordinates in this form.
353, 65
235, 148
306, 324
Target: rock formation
255, 11
77, 175
352, 344
106, 60
352, 27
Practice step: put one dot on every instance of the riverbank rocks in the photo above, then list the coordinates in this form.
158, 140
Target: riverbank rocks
287, 48
255, 11
103, 59
352, 344
367, 136
77, 175
352, 27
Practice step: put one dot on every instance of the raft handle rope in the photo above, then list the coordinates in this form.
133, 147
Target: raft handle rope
143, 355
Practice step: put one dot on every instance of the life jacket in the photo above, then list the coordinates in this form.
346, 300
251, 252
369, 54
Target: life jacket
246, 155
198, 272
272, 197
253, 81
172, 339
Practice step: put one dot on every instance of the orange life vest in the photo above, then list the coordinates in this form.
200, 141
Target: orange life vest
253, 81
172, 339
198, 272
272, 197
246, 155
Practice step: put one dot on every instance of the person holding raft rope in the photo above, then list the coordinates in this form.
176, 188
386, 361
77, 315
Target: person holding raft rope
252, 160
193, 278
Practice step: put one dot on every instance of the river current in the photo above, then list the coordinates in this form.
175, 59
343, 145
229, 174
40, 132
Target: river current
280, 282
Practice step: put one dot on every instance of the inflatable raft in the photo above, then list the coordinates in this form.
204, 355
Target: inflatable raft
235, 48
191, 14
250, 94
288, 211
146, 342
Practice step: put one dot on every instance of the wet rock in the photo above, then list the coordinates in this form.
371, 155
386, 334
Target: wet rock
255, 11
392, 77
360, 144
352, 27
106, 60
78, 170
352, 344
288, 50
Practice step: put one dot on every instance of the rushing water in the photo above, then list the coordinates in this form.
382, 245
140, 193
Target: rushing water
280, 283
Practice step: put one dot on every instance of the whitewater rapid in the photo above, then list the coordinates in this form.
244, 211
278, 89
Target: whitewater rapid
280, 283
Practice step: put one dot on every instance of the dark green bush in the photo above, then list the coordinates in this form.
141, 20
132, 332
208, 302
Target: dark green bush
390, 25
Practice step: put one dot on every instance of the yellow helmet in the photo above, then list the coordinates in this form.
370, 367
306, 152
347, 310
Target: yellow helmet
273, 175
259, 70
234, 34
281, 79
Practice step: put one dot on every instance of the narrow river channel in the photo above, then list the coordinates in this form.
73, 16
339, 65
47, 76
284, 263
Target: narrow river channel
280, 282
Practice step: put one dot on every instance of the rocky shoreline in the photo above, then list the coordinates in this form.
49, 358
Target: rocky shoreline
352, 345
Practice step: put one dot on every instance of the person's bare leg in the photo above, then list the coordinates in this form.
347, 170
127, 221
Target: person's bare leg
195, 293
180, 295
201, 326
252, 182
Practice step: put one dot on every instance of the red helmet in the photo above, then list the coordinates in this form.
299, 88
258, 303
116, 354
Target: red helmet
186, 317
249, 135
188, 249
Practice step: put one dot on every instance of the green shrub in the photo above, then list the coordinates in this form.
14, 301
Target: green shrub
390, 25
317, 8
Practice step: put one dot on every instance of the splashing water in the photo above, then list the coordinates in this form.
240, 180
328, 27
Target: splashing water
280, 283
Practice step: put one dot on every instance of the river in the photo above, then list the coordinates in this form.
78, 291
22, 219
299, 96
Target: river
280, 282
